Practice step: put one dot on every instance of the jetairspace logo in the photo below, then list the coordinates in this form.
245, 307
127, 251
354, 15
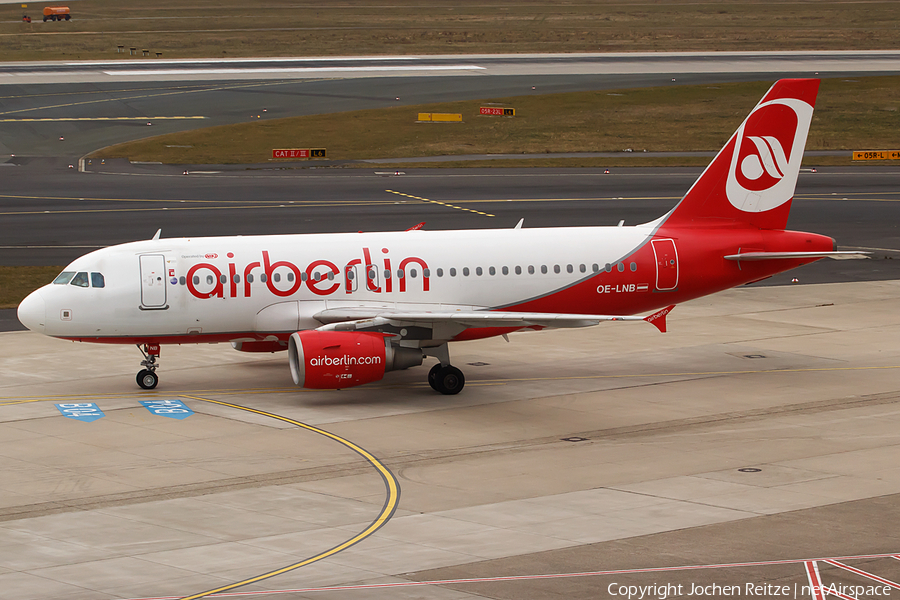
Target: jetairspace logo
766, 157
284, 278
343, 361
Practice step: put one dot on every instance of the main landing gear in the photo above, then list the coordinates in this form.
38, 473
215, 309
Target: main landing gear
147, 377
444, 377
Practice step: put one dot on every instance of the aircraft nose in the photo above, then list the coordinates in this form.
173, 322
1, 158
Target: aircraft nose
32, 312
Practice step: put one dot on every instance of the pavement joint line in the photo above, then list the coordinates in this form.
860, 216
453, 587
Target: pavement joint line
167, 93
537, 576
11, 400
478, 212
189, 208
391, 501
196, 87
60, 119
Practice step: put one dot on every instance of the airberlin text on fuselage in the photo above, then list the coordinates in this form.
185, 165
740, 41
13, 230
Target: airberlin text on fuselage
321, 277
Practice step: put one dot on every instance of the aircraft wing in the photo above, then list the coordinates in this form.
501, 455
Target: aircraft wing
366, 318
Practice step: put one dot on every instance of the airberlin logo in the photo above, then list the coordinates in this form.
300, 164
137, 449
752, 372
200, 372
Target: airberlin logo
322, 277
343, 361
766, 155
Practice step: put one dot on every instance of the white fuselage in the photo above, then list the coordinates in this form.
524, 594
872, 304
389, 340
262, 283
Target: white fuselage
229, 287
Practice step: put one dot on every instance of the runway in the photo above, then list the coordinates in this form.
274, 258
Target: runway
761, 429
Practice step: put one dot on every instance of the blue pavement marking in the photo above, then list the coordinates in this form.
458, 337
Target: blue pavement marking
174, 409
82, 411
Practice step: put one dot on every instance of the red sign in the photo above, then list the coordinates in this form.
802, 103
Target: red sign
291, 153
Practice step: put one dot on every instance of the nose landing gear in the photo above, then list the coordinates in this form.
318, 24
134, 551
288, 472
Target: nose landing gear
147, 377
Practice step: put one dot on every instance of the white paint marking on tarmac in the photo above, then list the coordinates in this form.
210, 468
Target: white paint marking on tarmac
251, 70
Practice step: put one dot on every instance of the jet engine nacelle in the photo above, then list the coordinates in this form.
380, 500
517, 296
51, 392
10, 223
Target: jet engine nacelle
340, 359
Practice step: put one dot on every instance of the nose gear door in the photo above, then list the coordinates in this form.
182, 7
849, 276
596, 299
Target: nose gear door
153, 281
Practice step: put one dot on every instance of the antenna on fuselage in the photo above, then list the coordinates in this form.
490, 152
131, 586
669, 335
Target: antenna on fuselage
519, 224
157, 234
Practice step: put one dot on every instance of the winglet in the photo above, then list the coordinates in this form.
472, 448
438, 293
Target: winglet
658, 319
417, 227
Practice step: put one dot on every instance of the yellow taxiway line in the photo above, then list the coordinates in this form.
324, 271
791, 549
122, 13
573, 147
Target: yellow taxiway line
391, 501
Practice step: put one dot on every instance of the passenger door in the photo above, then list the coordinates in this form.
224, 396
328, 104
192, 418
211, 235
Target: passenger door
153, 281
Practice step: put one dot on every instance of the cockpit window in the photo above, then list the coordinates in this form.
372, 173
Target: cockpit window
64, 277
80, 279
97, 280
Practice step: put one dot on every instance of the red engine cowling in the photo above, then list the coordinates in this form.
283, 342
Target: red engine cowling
341, 359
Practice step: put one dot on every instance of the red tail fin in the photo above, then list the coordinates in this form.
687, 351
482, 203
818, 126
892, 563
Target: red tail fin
753, 177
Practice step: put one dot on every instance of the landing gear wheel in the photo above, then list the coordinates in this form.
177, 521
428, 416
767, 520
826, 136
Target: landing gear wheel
432, 376
449, 380
147, 379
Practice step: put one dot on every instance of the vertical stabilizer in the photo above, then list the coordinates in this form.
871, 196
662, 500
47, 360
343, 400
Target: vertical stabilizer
752, 179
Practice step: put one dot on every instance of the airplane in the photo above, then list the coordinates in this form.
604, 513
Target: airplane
349, 307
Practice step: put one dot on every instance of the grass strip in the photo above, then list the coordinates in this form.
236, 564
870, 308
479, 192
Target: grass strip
851, 114
18, 282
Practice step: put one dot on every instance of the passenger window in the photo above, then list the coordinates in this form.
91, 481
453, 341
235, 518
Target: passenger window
387, 274
621, 267
506, 270
492, 271
633, 267
518, 270
263, 277
531, 269
97, 280
466, 271
412, 273
452, 271
440, 272
330, 276
303, 277
478, 271
569, 268
196, 280
64, 277
290, 276
582, 267
544, 269
249, 277
182, 280
276, 277
80, 279
237, 278
608, 268
556, 269
426, 272
400, 274
223, 278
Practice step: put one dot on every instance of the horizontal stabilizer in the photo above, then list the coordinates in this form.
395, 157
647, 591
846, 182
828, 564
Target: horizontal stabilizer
837, 255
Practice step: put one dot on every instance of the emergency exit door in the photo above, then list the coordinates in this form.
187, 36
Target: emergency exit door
666, 264
153, 281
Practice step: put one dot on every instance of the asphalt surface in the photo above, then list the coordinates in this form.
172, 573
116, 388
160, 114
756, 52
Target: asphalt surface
489, 486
